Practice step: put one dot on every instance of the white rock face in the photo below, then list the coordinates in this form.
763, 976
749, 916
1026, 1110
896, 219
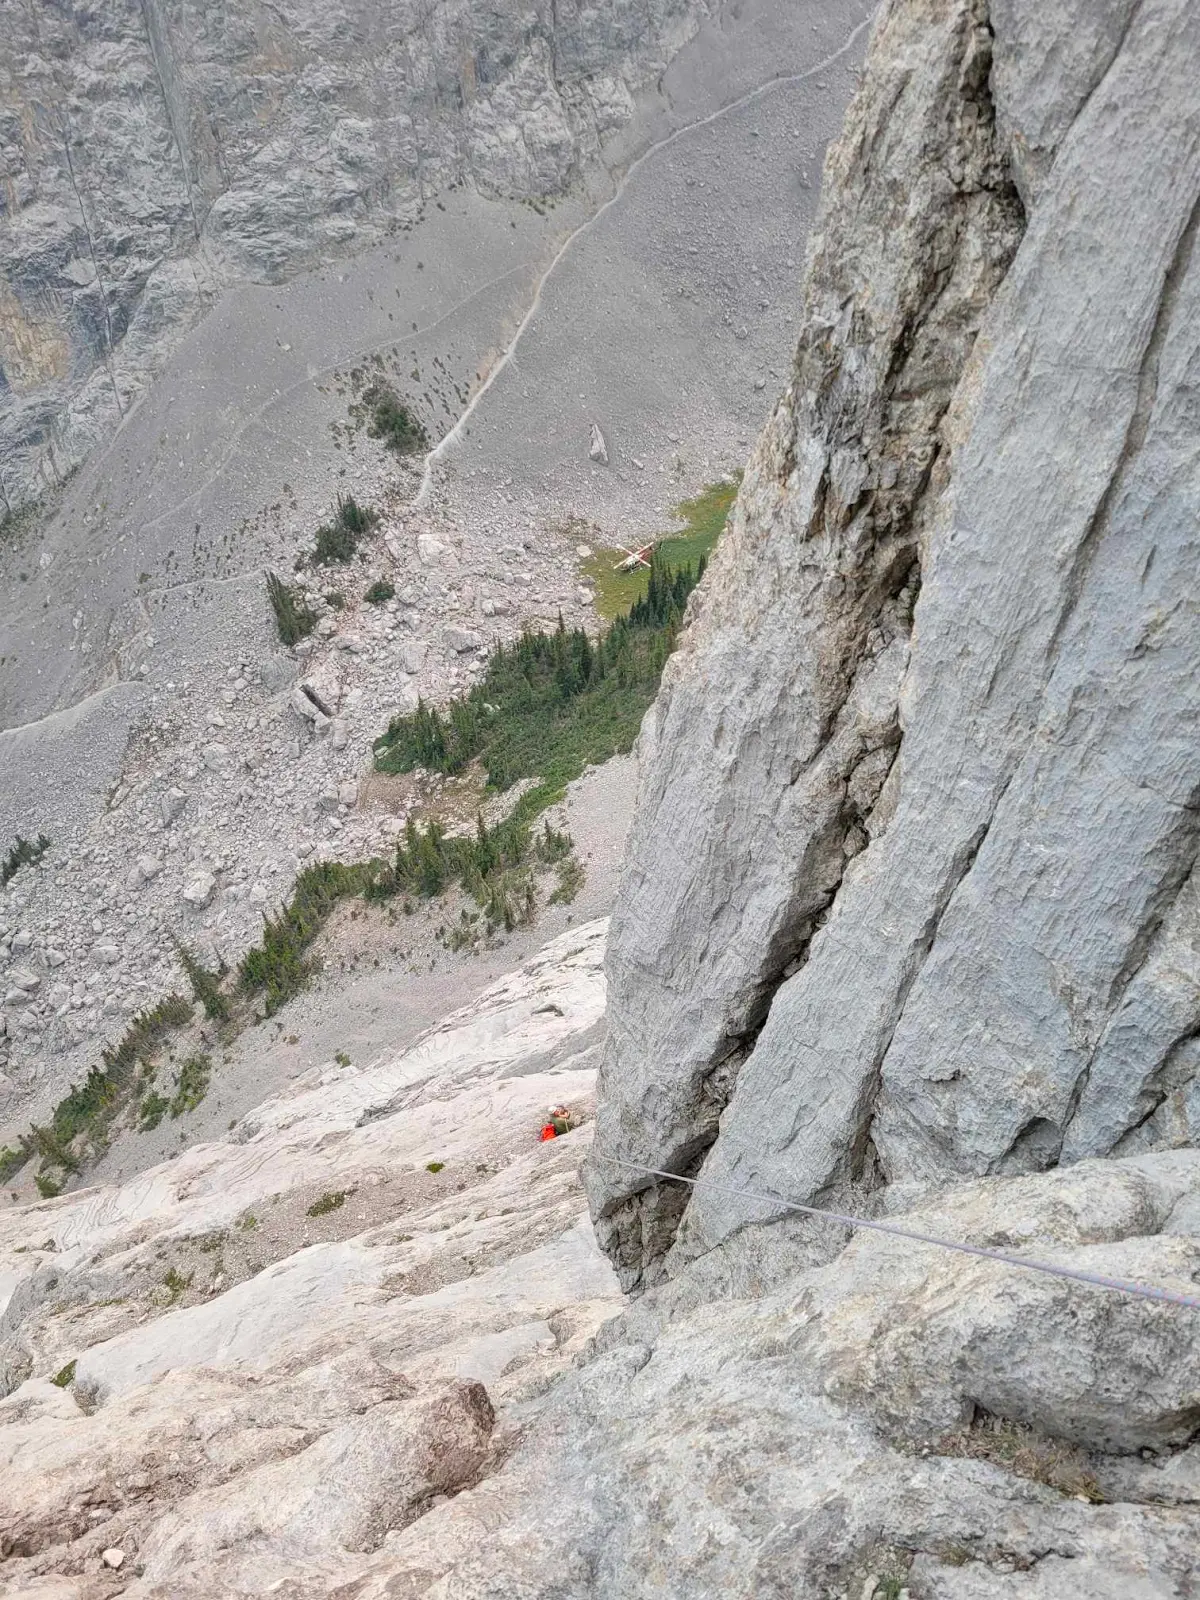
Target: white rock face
287, 1410
929, 738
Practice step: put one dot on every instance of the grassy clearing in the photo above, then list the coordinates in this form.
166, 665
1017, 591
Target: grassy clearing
293, 619
703, 519
24, 853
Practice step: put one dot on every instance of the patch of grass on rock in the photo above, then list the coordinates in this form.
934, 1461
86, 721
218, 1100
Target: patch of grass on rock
393, 422
1022, 1450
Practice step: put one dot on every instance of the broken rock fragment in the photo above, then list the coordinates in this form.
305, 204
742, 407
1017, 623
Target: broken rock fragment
199, 890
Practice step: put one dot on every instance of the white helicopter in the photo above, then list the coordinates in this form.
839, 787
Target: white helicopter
634, 558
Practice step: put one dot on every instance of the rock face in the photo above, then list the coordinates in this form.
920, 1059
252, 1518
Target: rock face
153, 152
841, 1431
258, 1361
909, 918
909, 895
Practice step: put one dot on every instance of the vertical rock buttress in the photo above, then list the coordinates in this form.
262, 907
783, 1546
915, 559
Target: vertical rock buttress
909, 891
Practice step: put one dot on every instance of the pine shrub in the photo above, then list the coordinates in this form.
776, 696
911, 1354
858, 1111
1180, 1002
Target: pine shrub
337, 540
393, 422
293, 619
24, 853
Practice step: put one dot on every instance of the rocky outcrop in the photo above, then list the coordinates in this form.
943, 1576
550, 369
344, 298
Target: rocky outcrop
153, 152
864, 1431
910, 893
220, 1386
909, 916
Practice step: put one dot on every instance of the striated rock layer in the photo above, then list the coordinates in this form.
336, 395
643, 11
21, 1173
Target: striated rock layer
155, 149
910, 892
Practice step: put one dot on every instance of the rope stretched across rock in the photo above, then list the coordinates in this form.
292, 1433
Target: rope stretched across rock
1050, 1269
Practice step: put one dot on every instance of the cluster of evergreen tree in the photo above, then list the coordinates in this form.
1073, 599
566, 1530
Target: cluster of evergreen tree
428, 860
280, 966
666, 595
551, 702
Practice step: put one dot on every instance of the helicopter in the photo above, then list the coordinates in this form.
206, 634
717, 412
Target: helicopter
634, 558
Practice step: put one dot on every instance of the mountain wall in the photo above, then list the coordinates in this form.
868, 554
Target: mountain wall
910, 893
908, 916
153, 150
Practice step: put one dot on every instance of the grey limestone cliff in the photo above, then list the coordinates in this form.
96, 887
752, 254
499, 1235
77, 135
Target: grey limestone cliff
910, 892
152, 150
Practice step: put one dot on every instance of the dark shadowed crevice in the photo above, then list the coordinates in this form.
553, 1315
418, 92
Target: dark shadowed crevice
882, 526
